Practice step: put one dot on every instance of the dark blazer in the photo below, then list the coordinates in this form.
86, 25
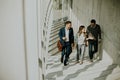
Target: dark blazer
96, 31
62, 34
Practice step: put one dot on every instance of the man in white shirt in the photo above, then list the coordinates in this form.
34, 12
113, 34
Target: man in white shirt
67, 39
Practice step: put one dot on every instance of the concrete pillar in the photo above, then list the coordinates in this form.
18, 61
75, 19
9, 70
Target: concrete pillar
12, 48
22, 24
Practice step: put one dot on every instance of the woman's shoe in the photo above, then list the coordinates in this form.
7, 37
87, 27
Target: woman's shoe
91, 60
81, 62
77, 62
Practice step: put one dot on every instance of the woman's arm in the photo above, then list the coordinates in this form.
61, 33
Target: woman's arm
76, 38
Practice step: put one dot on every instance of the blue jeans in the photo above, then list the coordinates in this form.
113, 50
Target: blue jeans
80, 51
93, 48
66, 52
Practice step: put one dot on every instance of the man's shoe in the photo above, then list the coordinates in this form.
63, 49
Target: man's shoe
68, 57
81, 62
61, 60
65, 64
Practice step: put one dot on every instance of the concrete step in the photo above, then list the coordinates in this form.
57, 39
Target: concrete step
85, 72
54, 51
57, 25
53, 42
52, 47
115, 74
98, 70
56, 30
52, 35
57, 22
95, 74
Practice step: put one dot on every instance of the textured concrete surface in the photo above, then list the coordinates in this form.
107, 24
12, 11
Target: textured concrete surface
107, 14
98, 70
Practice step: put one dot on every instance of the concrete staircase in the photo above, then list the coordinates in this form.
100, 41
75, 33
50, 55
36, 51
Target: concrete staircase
104, 69
52, 49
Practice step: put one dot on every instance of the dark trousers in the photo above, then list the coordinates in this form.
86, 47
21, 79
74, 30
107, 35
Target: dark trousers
66, 52
93, 48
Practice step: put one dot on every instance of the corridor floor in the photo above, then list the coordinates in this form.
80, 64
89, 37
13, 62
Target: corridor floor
103, 69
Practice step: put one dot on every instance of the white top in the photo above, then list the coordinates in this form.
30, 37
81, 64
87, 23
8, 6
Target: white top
81, 39
67, 34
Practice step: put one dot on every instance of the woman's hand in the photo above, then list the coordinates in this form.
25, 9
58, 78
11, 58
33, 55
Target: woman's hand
86, 43
87, 39
73, 44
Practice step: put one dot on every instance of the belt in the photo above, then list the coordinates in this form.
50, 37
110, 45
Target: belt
67, 41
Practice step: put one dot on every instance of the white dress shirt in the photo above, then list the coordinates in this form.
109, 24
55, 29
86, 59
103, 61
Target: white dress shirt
67, 34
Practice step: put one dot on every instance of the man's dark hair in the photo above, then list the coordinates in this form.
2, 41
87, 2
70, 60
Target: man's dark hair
67, 22
93, 21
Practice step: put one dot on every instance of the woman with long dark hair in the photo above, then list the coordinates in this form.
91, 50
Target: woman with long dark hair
81, 43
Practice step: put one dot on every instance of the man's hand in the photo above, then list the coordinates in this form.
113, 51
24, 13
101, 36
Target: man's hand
73, 44
99, 41
64, 38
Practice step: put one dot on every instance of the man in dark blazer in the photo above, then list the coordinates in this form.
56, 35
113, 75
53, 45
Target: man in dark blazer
67, 40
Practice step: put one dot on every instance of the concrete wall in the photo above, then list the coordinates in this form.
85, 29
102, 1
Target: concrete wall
12, 48
22, 25
110, 22
107, 14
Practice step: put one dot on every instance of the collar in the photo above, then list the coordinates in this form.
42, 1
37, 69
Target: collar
93, 26
66, 29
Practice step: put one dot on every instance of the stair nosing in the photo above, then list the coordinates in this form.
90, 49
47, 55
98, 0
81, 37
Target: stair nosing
52, 49
53, 38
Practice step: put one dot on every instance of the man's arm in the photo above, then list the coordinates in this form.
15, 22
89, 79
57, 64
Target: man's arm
99, 32
87, 32
72, 35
